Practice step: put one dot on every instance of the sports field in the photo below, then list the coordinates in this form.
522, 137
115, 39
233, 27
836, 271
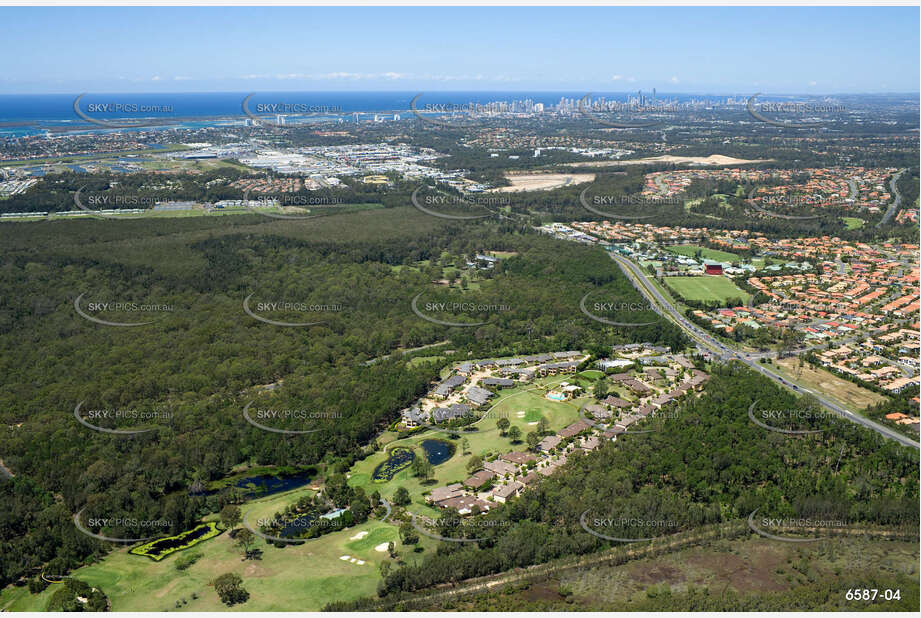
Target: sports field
705, 288
707, 254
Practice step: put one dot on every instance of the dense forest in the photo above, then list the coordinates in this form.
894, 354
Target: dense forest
204, 359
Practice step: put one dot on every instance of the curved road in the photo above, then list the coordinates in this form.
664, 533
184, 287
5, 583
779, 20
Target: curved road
705, 340
894, 206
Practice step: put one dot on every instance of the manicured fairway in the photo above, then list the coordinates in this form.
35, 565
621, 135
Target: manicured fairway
304, 576
706, 288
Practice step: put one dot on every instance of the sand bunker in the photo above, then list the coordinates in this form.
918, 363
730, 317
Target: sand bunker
345, 557
360, 535
381, 547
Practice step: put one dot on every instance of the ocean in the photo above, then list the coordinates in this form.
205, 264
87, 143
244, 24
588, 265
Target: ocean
29, 114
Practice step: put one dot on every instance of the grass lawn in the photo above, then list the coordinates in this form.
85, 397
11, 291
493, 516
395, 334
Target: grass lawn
707, 254
418, 360
853, 223
303, 577
853, 396
76, 159
706, 288
200, 212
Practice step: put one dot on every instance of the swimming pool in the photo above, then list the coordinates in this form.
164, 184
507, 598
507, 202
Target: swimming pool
556, 396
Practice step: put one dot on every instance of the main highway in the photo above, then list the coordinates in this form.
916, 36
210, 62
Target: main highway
705, 340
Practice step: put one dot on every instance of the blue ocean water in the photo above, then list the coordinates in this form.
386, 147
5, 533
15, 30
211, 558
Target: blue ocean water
30, 114
58, 108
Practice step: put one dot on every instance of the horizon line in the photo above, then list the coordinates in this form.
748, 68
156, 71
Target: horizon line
426, 90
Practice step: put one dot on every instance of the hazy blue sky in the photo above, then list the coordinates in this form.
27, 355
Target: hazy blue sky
694, 50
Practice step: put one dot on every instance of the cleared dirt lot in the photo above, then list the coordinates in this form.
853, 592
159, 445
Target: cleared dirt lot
541, 182
711, 160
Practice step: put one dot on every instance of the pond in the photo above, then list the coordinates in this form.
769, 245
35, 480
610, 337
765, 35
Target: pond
159, 549
437, 451
264, 484
399, 458
297, 526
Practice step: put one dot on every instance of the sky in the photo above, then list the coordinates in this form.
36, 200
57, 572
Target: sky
705, 50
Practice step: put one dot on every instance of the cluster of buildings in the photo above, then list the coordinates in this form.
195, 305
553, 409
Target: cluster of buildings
323, 166
645, 235
472, 384
912, 422
565, 232
656, 378
511, 138
854, 188
861, 301
675, 182
274, 185
9, 188
887, 357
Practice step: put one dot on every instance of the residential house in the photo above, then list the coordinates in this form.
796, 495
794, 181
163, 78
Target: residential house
452, 412
440, 494
479, 479
518, 458
448, 386
499, 467
506, 492
412, 417
549, 443
574, 429
478, 396
465, 504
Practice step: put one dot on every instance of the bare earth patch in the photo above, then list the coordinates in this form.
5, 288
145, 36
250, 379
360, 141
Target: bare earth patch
711, 160
541, 182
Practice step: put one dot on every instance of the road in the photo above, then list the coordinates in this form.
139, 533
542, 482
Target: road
894, 206
407, 351
706, 340
5, 472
